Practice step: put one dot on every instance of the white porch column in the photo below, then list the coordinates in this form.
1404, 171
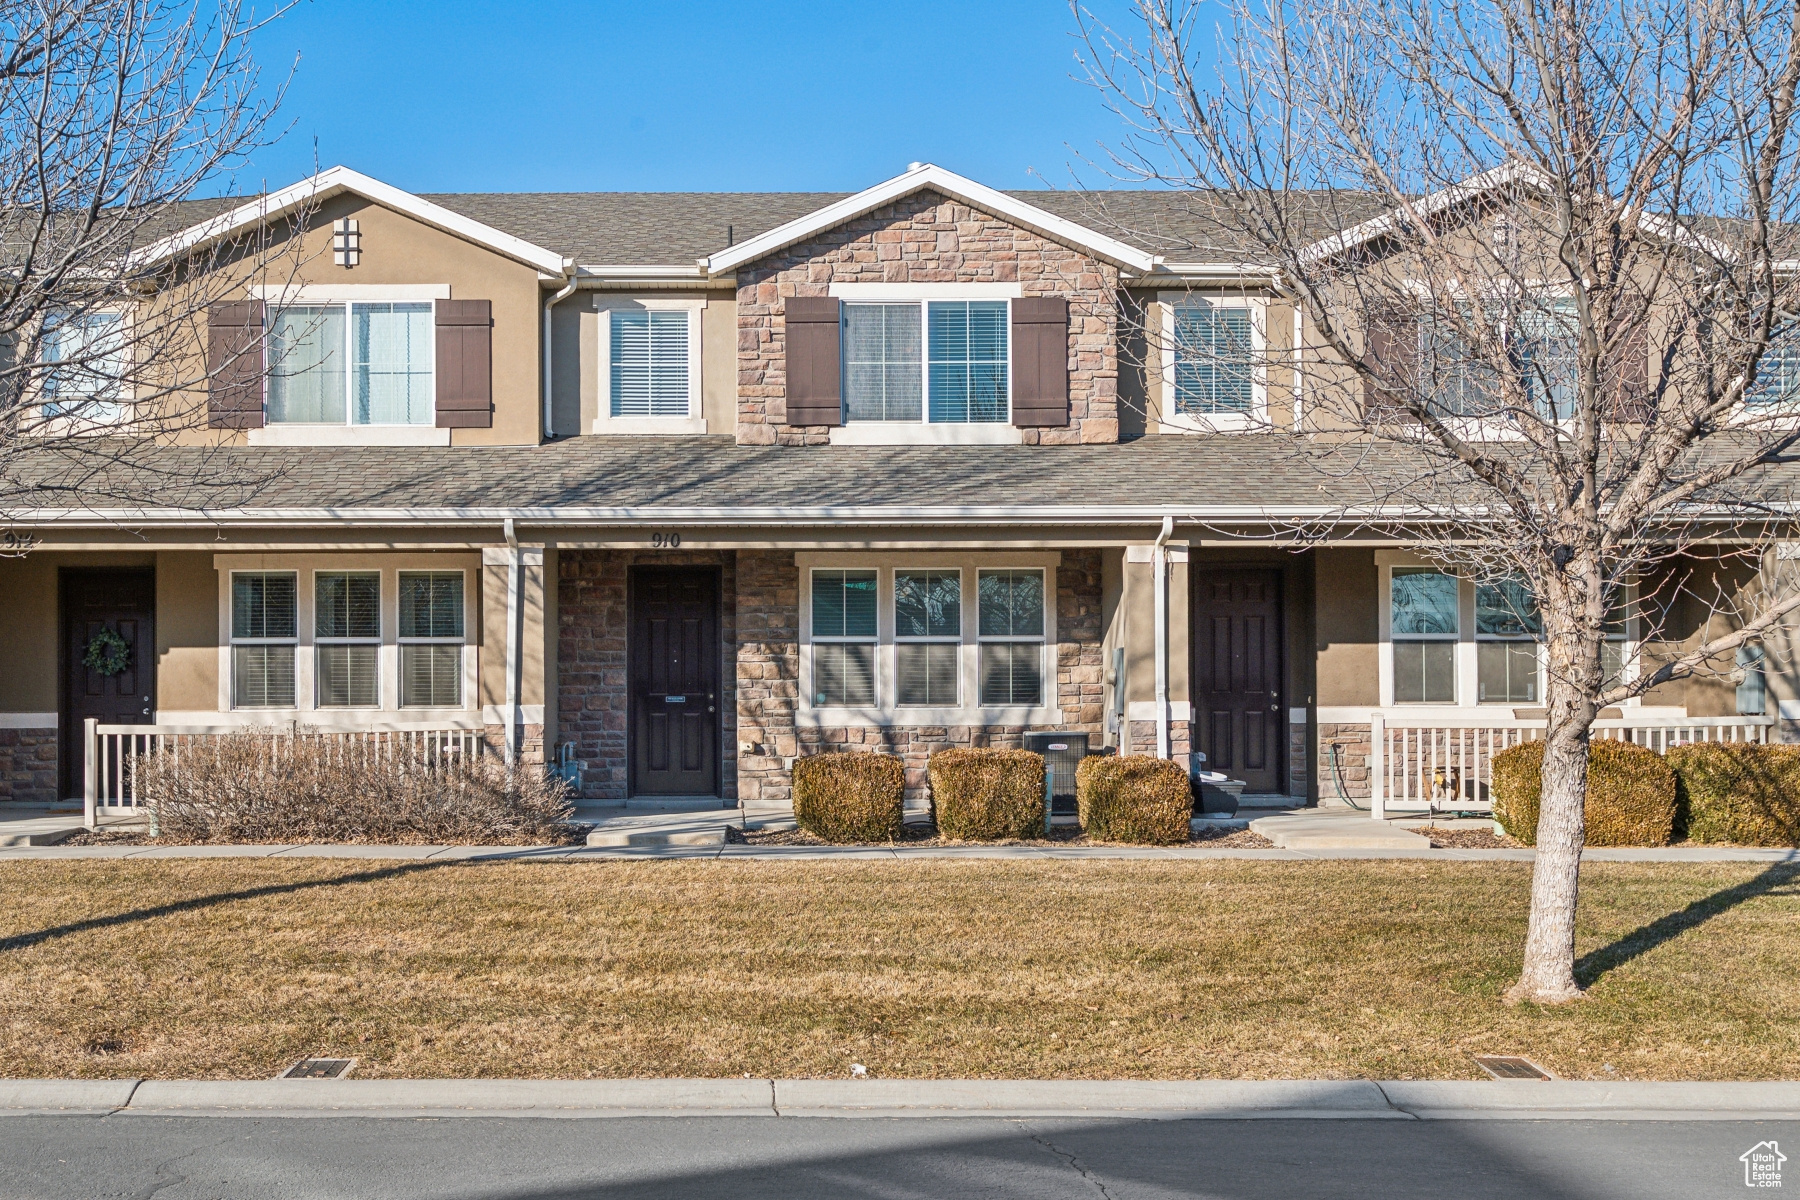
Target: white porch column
1377, 763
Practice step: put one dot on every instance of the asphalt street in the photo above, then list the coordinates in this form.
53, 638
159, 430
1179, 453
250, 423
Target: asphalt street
265, 1158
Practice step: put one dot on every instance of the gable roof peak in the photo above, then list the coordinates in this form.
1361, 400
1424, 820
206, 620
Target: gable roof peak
334, 181
924, 176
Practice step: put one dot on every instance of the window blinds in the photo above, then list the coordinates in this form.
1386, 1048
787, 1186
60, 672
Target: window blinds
649, 364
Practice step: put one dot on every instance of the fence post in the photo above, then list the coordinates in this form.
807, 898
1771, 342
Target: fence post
90, 775
1377, 760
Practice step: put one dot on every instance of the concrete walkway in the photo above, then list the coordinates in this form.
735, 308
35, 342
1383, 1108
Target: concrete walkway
1300, 835
1410, 1100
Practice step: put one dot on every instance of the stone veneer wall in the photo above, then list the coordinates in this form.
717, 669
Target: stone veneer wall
926, 238
1354, 757
769, 672
593, 626
1142, 738
28, 766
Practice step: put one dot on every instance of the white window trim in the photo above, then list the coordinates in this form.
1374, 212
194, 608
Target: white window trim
695, 421
231, 640
347, 432
305, 567
1468, 674
281, 295
376, 641
1172, 421
76, 425
925, 431
887, 713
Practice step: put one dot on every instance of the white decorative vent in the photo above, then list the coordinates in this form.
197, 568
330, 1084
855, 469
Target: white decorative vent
346, 242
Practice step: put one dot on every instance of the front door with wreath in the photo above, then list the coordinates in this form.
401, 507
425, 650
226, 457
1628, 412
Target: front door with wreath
109, 657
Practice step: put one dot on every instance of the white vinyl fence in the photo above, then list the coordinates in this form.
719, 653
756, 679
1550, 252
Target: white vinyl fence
112, 752
1430, 764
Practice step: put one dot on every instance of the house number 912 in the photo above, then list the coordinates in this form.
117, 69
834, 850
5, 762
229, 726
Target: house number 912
665, 541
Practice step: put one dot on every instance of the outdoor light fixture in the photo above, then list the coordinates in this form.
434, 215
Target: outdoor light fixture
346, 242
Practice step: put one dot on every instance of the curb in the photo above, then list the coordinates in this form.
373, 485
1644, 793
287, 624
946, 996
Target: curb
1017, 1099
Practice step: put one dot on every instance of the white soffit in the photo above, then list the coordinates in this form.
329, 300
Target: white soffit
928, 177
331, 182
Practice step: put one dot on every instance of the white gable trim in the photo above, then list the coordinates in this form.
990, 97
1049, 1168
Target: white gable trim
923, 177
329, 183
1476, 185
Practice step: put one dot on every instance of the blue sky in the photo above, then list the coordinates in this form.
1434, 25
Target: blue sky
650, 96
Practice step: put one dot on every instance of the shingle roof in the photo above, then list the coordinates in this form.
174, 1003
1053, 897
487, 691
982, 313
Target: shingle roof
714, 472
660, 228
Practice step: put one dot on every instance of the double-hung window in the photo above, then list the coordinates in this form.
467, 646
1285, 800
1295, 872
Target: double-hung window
940, 361
1011, 634
363, 363
1778, 370
649, 371
347, 638
1214, 360
85, 355
1540, 342
1424, 626
844, 632
1507, 634
431, 639
264, 634
928, 637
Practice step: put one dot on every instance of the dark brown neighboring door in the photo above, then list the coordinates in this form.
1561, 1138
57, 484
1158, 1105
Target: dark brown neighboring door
673, 661
1237, 673
124, 601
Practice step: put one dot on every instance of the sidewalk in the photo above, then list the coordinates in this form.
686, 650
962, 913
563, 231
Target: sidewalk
1429, 1100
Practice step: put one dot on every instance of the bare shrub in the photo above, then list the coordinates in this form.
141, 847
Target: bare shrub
850, 797
253, 787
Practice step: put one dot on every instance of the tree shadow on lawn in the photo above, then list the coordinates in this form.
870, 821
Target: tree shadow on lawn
1640, 941
24, 941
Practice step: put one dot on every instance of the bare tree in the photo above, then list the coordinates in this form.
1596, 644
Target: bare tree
1543, 254
113, 113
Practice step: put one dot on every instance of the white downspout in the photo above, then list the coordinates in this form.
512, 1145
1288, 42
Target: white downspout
513, 564
1159, 557
549, 361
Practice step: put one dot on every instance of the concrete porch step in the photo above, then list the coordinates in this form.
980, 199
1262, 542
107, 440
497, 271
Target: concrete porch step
679, 804
1313, 829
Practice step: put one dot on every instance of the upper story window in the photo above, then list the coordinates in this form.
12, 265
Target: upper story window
939, 361
649, 365
1213, 361
86, 356
361, 363
1777, 372
1540, 343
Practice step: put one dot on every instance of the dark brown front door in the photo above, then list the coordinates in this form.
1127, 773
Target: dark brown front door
1237, 673
674, 670
124, 602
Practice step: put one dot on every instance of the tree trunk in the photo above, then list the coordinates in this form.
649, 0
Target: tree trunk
1548, 976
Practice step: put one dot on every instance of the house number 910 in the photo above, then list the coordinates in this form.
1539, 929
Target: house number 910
665, 541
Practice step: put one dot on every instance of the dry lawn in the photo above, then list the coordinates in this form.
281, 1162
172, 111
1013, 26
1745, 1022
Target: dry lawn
234, 968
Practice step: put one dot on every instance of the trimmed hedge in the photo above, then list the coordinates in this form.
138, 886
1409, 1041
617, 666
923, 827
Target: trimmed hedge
1630, 794
1738, 792
985, 795
1136, 799
850, 797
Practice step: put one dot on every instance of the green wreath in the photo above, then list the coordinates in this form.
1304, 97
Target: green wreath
107, 653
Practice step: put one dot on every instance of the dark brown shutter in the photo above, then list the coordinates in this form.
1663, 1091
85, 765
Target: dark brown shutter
234, 364
1392, 350
465, 364
815, 388
1040, 361
1632, 404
